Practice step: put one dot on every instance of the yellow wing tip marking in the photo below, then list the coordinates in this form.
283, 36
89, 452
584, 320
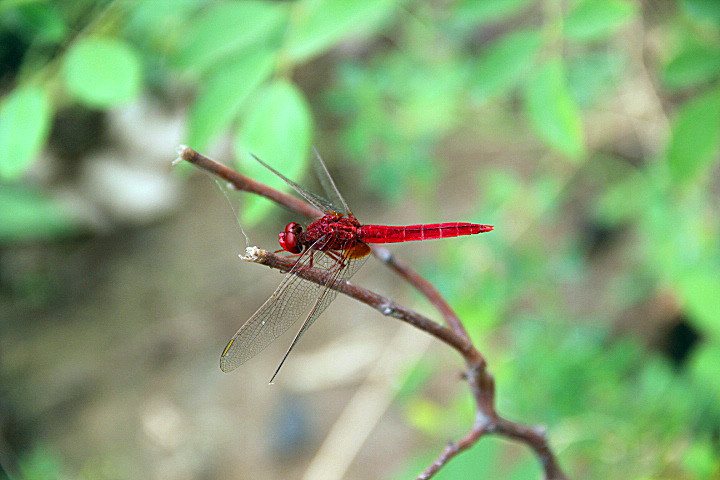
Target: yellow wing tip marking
227, 347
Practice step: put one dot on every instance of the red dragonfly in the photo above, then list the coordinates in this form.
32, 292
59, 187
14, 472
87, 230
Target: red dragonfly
337, 243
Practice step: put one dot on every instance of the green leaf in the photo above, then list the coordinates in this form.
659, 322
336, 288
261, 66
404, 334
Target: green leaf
503, 63
278, 130
319, 24
425, 415
525, 468
597, 19
695, 138
623, 201
40, 464
429, 108
224, 93
227, 28
29, 215
153, 20
592, 76
25, 116
703, 365
700, 290
703, 10
40, 23
693, 65
102, 72
488, 11
701, 458
552, 112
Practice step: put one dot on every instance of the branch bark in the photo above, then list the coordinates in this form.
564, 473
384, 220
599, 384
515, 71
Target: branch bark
481, 382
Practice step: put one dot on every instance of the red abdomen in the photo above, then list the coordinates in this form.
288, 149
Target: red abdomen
388, 234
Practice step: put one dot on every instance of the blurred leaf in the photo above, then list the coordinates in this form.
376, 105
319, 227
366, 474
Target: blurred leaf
224, 92
703, 9
40, 464
41, 22
592, 76
414, 379
673, 231
552, 112
29, 215
487, 11
482, 306
624, 200
695, 138
393, 116
501, 188
318, 24
227, 28
704, 366
102, 72
503, 64
278, 130
693, 65
25, 116
702, 459
160, 22
526, 468
700, 290
429, 107
425, 415
597, 19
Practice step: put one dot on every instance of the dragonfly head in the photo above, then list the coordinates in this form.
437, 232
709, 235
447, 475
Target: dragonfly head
289, 238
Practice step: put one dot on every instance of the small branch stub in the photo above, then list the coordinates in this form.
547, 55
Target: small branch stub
253, 254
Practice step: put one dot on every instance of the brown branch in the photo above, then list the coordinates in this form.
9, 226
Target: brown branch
481, 382
240, 182
382, 304
452, 449
536, 438
425, 287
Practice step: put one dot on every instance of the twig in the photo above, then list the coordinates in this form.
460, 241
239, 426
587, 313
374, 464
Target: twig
425, 287
239, 181
481, 382
382, 304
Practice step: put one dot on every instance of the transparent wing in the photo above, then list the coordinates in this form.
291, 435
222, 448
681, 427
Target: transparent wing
315, 200
352, 261
294, 298
328, 185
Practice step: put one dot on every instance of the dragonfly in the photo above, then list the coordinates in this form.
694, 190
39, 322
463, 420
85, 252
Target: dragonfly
336, 243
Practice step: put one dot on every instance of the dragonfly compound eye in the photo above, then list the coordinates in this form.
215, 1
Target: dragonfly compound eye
288, 239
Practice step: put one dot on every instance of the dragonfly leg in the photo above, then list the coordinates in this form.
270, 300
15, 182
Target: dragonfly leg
309, 263
339, 257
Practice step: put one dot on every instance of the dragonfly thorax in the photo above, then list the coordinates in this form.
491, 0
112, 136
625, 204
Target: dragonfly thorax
331, 232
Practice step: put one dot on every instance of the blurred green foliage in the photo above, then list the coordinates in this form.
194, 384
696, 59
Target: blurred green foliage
409, 77
102, 72
28, 213
41, 464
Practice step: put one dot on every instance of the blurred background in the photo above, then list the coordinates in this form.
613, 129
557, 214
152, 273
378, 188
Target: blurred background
586, 131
